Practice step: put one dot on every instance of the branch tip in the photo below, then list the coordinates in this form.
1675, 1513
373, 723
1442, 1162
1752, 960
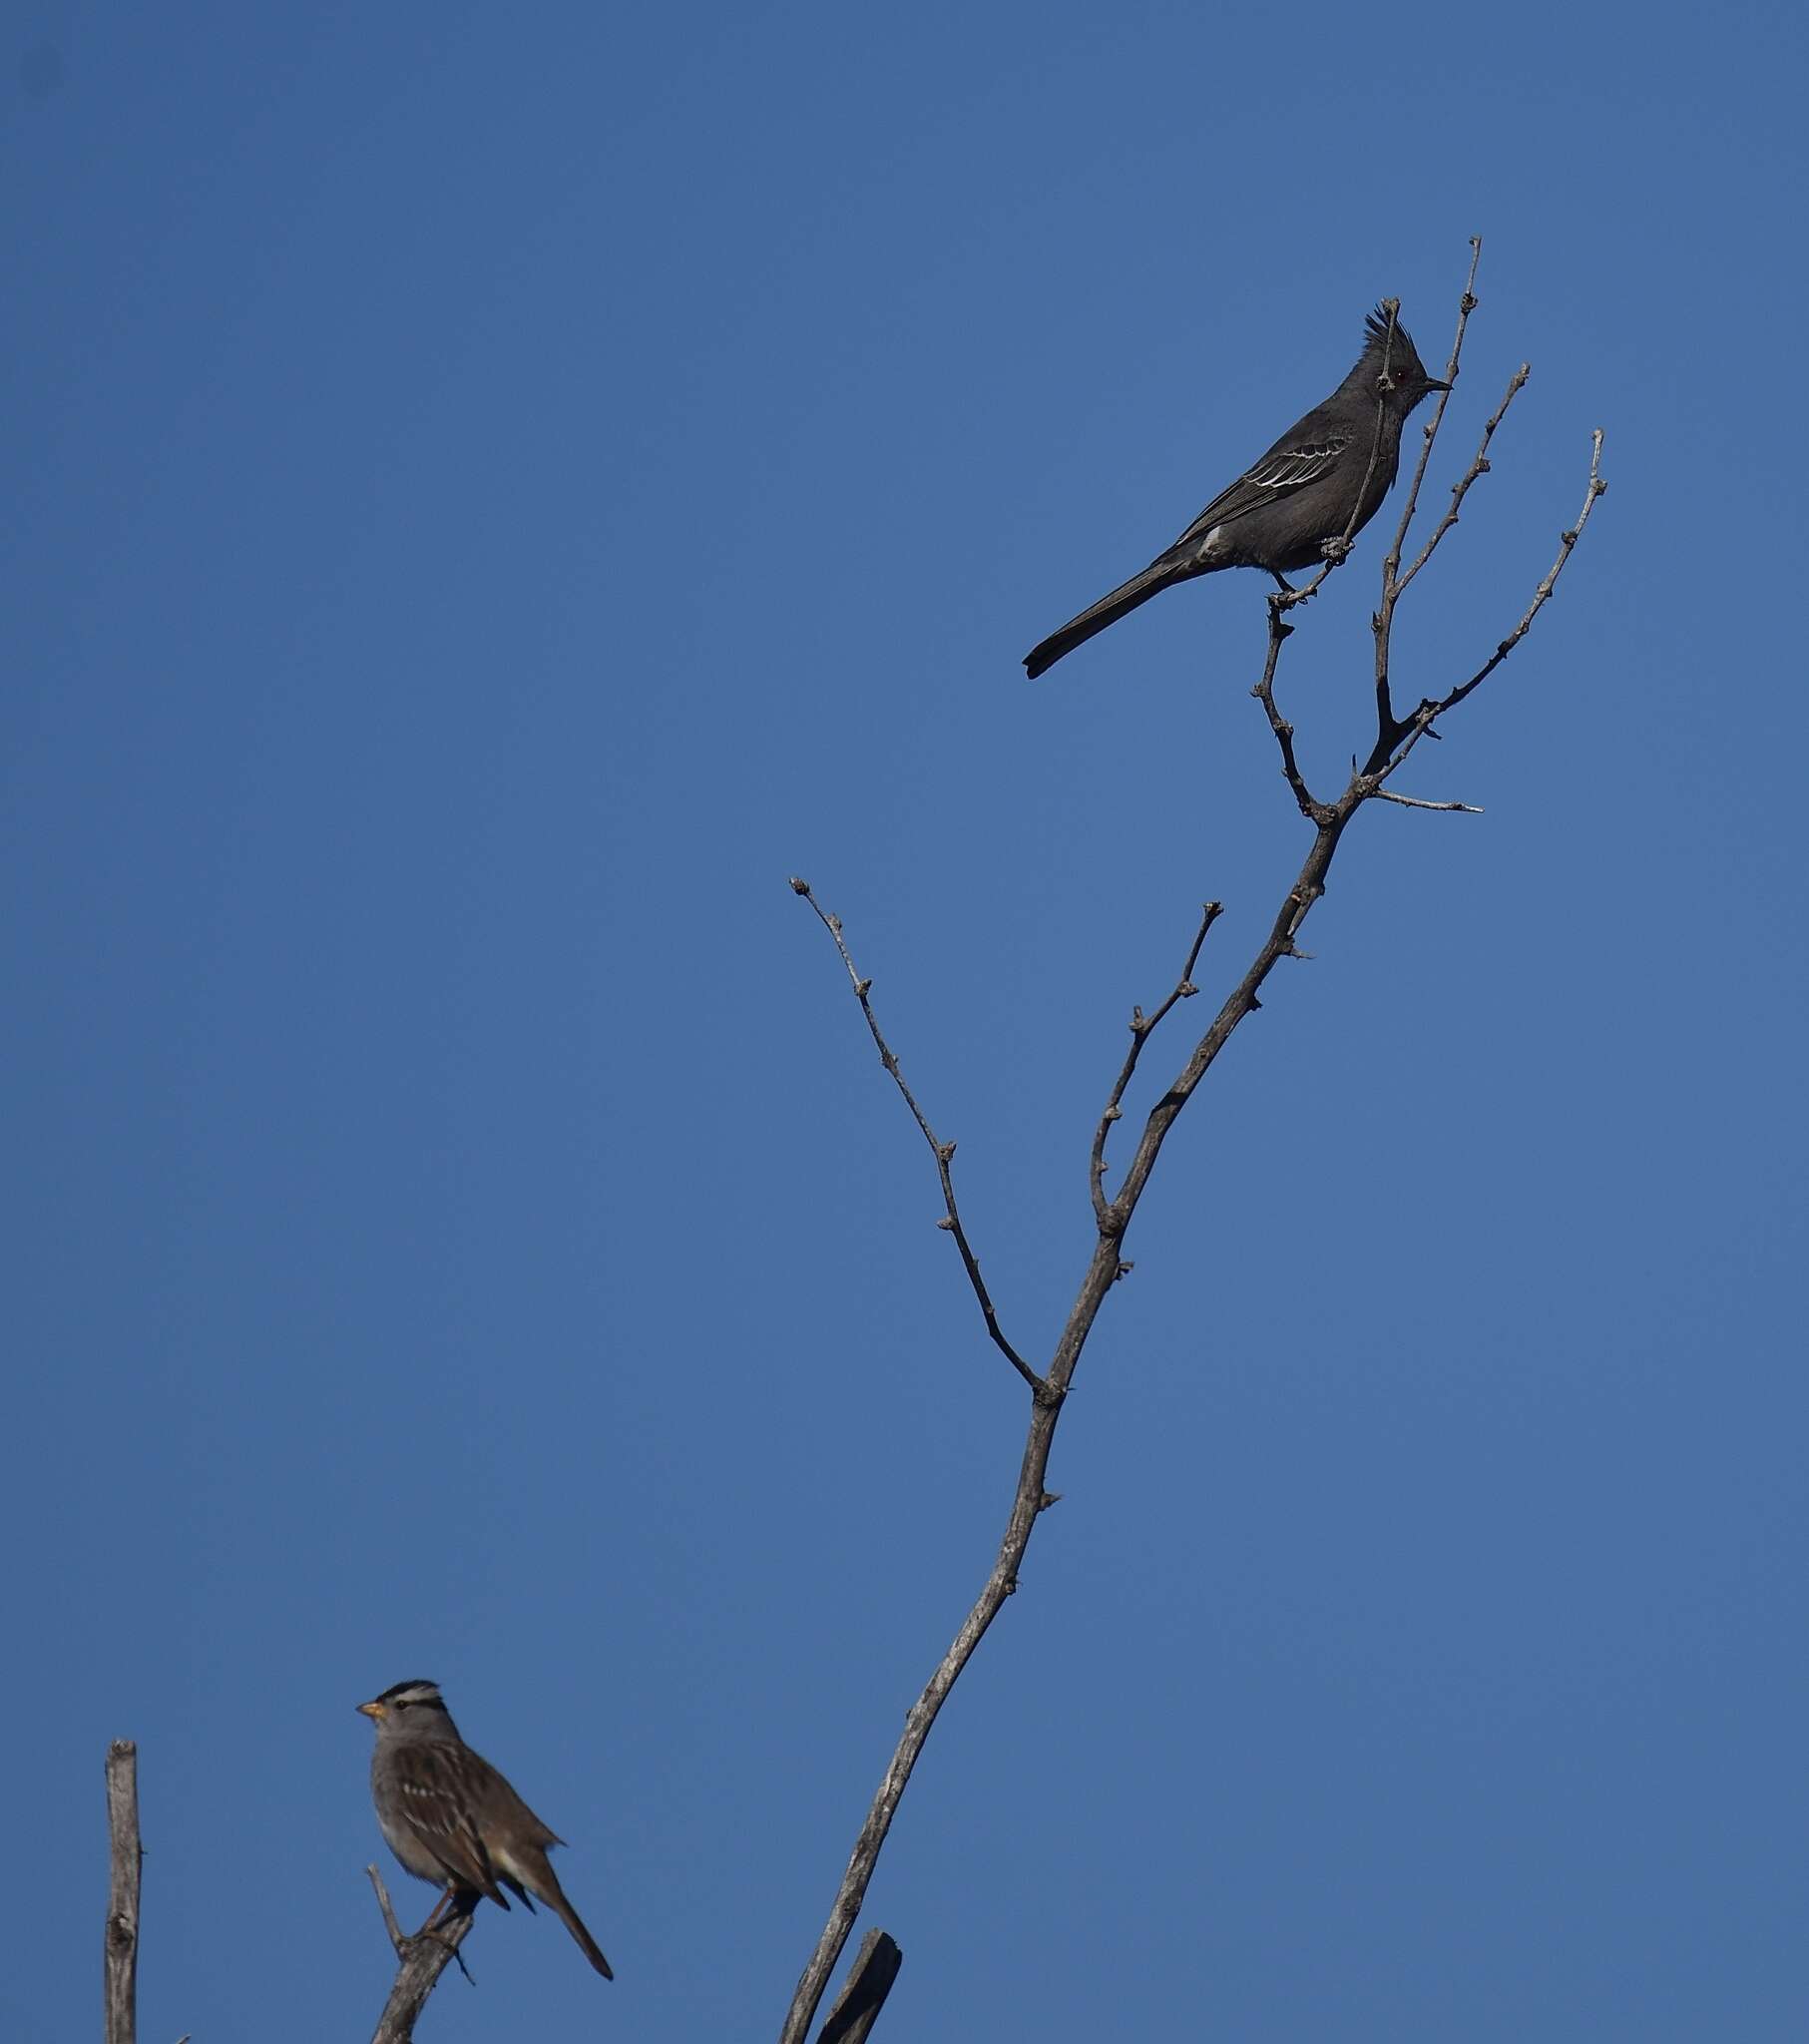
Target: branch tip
389, 1915
950, 1221
1396, 738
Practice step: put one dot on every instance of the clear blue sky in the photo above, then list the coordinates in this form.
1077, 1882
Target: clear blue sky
493, 492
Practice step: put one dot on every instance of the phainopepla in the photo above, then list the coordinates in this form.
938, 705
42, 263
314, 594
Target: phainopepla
1302, 492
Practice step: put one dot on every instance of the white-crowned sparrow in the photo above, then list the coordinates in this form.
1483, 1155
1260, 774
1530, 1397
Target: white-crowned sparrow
452, 1820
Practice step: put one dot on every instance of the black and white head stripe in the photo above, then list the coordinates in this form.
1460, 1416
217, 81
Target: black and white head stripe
400, 1694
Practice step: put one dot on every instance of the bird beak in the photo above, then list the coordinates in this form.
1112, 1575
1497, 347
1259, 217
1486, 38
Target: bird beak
1433, 383
371, 1710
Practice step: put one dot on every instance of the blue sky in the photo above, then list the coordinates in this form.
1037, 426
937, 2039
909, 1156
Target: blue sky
494, 494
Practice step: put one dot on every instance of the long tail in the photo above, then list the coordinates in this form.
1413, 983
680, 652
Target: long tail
1108, 611
554, 1899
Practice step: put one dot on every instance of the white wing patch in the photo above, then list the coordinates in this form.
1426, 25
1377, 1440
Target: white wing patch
1296, 465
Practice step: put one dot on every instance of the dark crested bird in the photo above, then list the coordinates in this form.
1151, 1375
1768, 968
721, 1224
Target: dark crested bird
451, 1819
1324, 478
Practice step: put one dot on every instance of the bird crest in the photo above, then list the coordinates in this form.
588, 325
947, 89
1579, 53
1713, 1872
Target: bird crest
1402, 356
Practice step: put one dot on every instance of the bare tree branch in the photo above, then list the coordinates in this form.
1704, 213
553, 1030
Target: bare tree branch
864, 1993
1280, 631
1388, 729
396, 1936
1412, 801
1142, 1027
1567, 545
944, 1153
1466, 304
1337, 550
1404, 737
1461, 488
1031, 1498
424, 1958
1395, 739
118, 1952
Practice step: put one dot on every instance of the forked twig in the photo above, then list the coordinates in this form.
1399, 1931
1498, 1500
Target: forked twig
1142, 1027
423, 1958
1419, 724
1395, 741
1466, 304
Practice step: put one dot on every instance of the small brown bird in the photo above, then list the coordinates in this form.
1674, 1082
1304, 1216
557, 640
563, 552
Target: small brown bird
452, 1820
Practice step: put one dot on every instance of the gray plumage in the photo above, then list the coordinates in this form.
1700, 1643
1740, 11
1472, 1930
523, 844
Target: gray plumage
1280, 512
452, 1820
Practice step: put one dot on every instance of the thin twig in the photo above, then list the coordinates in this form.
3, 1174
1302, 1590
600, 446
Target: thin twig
119, 1947
1337, 550
1414, 801
1142, 1027
1388, 729
1032, 1497
424, 1958
1466, 304
1419, 724
1264, 692
390, 1924
942, 1152
1296, 906
1112, 1218
1567, 545
1384, 385
1479, 466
